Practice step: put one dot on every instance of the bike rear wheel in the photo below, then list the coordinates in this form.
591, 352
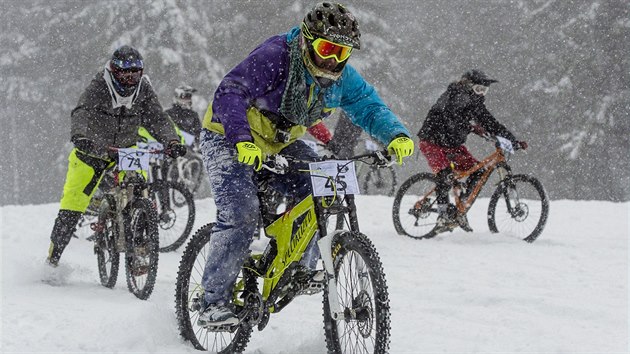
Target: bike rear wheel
415, 207
141, 258
189, 294
175, 219
379, 181
107, 255
519, 207
362, 293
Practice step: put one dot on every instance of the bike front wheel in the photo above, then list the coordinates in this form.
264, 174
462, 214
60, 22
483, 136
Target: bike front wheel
519, 207
141, 258
364, 326
415, 210
189, 294
175, 213
380, 181
107, 255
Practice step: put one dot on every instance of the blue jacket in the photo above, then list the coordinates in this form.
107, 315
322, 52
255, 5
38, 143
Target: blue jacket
259, 82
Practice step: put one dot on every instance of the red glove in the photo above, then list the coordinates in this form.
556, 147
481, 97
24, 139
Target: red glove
320, 132
522, 145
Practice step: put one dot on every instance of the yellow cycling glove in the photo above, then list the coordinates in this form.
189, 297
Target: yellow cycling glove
401, 146
248, 153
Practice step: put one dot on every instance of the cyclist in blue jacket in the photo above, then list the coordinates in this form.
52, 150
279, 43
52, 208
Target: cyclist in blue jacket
261, 107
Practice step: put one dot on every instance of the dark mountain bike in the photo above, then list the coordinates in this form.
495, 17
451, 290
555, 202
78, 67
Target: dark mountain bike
175, 207
174, 204
519, 205
127, 223
187, 169
355, 296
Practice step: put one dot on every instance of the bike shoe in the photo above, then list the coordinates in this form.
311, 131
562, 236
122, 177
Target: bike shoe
462, 221
217, 315
444, 223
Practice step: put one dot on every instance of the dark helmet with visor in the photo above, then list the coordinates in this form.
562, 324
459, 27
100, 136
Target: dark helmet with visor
478, 77
478, 80
126, 66
329, 30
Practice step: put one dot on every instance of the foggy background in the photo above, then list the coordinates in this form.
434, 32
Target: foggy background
563, 68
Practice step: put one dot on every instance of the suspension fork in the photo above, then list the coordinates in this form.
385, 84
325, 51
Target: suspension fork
510, 194
352, 213
325, 249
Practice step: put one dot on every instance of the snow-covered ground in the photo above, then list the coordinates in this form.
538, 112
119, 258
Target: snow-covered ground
458, 293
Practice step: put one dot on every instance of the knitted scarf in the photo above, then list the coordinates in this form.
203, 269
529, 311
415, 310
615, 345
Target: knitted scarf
294, 100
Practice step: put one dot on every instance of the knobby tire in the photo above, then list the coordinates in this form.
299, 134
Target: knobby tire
348, 247
189, 287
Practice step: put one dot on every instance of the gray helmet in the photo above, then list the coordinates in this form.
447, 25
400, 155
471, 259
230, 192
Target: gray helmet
183, 95
478, 77
184, 92
333, 22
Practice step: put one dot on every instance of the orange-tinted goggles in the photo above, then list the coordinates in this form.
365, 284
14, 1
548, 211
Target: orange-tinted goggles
326, 49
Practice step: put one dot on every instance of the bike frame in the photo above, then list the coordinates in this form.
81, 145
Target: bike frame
490, 163
123, 193
496, 160
293, 231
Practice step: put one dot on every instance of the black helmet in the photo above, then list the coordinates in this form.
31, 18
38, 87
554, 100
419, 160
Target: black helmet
332, 22
183, 95
126, 66
478, 77
335, 23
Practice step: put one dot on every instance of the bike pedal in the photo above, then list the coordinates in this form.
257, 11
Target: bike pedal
312, 289
222, 328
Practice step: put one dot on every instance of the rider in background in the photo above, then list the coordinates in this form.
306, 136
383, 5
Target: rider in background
109, 112
182, 114
345, 138
459, 111
261, 107
343, 141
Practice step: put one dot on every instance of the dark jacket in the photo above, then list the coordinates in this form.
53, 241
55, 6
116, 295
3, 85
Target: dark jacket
100, 117
185, 119
451, 118
345, 138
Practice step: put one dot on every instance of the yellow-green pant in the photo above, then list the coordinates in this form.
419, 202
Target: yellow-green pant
84, 174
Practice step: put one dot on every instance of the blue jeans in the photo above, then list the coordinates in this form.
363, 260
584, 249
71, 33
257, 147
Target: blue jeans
234, 187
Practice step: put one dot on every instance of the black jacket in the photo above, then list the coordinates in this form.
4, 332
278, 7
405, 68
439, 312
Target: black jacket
185, 119
345, 138
451, 118
99, 117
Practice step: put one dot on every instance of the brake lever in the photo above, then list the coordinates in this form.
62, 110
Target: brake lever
383, 159
277, 164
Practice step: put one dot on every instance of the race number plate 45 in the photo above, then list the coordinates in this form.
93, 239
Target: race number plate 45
334, 176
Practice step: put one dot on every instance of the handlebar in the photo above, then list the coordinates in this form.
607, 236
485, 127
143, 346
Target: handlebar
499, 143
280, 164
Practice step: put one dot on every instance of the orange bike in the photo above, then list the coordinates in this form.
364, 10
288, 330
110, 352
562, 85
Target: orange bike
519, 206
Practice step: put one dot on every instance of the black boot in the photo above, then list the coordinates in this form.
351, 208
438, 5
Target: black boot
65, 224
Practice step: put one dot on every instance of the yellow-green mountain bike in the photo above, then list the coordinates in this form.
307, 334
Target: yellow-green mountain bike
355, 297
